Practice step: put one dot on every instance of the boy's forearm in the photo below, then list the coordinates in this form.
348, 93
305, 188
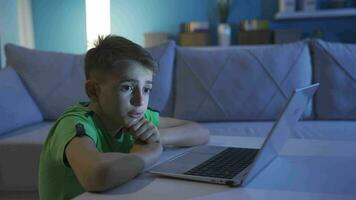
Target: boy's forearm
188, 134
116, 170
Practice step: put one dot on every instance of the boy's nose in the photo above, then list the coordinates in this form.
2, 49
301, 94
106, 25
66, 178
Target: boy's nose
137, 98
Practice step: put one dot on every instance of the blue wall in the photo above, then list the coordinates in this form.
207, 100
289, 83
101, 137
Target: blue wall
135, 17
9, 30
59, 25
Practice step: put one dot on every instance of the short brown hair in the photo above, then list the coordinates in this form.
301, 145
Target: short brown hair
112, 51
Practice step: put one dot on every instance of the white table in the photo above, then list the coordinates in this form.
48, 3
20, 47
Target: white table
306, 169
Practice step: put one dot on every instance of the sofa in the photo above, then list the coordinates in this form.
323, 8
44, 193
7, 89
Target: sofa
236, 90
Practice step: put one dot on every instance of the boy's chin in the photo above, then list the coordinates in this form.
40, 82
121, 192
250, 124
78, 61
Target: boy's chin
130, 122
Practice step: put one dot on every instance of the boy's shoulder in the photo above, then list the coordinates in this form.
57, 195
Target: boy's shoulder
150, 109
152, 115
63, 129
78, 113
80, 108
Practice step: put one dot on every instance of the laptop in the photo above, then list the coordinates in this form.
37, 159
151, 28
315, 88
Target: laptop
238, 166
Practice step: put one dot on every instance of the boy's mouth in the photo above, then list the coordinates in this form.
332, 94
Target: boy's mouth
135, 114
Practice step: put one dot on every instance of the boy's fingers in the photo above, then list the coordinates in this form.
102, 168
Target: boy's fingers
151, 135
146, 134
135, 123
136, 126
145, 131
153, 138
142, 130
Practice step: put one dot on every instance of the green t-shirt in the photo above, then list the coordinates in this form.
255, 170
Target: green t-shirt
56, 179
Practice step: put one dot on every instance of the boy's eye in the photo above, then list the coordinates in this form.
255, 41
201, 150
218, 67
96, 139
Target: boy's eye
126, 88
147, 90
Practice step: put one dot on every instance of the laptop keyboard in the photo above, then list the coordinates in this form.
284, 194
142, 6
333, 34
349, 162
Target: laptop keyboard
225, 164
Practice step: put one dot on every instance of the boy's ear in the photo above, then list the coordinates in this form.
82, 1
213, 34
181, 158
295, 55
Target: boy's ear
92, 89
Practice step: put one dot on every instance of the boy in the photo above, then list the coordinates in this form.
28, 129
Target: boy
97, 145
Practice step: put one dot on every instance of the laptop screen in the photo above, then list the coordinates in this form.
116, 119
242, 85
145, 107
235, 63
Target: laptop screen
281, 130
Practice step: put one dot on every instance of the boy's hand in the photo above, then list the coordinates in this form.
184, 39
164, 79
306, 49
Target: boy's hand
149, 153
145, 131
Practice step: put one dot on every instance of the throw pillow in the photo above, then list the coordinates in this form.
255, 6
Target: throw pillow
54, 80
17, 108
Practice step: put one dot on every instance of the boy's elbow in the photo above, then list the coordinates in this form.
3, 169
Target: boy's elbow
201, 135
95, 182
204, 135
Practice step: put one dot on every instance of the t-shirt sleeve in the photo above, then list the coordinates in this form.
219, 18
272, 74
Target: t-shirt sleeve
152, 116
65, 131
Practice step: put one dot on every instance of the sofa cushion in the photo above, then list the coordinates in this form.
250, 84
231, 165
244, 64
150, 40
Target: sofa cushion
56, 80
239, 83
19, 157
17, 108
335, 70
161, 97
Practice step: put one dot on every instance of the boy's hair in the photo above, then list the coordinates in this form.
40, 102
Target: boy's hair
112, 51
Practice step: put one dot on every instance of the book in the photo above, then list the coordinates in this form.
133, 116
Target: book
255, 24
195, 26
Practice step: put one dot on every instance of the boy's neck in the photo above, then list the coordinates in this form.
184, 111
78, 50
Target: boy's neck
109, 128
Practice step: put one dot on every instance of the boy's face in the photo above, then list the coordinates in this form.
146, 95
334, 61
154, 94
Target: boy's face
124, 94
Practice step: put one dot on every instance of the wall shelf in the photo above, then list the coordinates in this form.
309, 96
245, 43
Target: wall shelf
327, 13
